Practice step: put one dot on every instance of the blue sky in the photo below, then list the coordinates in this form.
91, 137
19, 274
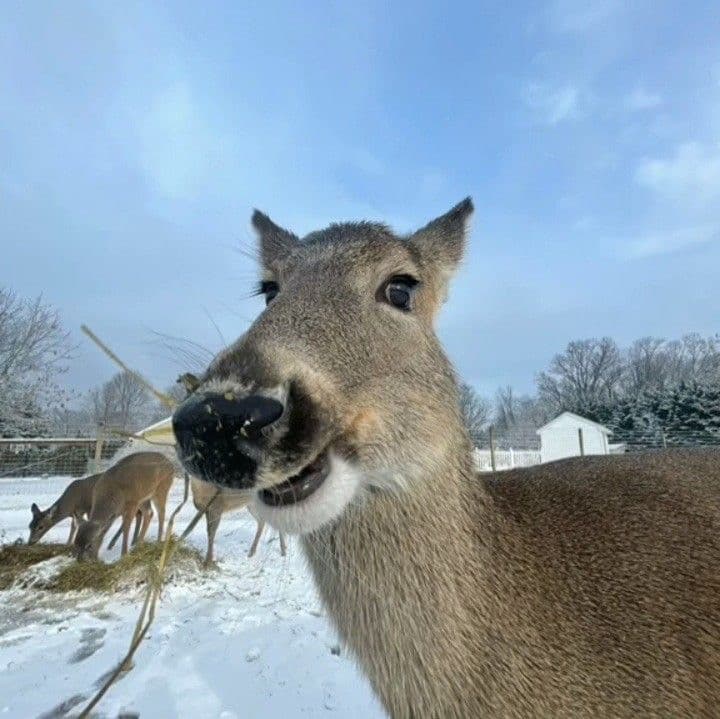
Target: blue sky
136, 138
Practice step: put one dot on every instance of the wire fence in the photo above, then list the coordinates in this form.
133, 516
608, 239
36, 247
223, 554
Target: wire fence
75, 457
51, 456
515, 439
507, 449
658, 438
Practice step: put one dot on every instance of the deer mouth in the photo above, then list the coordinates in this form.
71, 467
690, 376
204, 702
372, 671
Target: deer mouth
298, 487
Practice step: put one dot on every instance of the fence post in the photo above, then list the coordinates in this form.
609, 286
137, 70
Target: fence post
580, 440
664, 438
492, 447
99, 440
512, 458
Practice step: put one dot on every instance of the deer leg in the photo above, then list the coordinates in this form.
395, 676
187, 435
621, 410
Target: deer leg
138, 521
127, 520
212, 519
146, 513
73, 529
116, 536
258, 534
160, 503
283, 545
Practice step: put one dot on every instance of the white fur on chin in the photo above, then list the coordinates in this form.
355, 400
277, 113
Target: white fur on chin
324, 505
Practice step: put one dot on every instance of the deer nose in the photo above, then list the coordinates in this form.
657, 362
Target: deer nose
219, 436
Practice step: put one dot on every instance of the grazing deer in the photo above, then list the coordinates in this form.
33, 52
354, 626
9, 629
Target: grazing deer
74, 502
585, 587
122, 491
226, 501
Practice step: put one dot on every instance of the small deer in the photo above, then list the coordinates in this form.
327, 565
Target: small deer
75, 502
585, 587
124, 490
226, 501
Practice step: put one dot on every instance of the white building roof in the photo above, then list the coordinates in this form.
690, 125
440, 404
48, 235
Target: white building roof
159, 433
577, 418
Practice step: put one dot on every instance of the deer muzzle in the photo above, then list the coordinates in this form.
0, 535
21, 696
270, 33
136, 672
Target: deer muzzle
221, 438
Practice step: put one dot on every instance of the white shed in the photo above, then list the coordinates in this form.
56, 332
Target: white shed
561, 437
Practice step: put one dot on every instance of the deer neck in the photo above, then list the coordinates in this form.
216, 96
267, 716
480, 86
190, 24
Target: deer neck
393, 574
62, 509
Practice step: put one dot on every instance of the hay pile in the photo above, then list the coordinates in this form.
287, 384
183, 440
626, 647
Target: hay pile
16, 559
131, 571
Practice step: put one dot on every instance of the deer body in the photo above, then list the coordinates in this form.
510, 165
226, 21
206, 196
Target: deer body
585, 587
122, 491
581, 588
226, 501
74, 502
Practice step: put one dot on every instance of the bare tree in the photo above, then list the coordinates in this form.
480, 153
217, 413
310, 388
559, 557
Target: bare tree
654, 364
34, 349
648, 366
694, 359
517, 412
505, 408
475, 411
121, 403
587, 374
158, 410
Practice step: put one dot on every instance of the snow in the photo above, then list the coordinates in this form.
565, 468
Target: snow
248, 640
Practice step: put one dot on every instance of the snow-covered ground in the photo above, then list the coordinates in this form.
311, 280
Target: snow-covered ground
248, 640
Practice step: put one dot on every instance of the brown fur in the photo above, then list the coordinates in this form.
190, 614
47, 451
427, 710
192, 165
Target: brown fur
587, 587
74, 502
122, 491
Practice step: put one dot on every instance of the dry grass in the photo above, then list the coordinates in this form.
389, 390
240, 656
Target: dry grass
133, 569
16, 559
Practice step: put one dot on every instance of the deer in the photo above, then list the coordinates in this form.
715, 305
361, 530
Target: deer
585, 587
73, 503
204, 499
124, 490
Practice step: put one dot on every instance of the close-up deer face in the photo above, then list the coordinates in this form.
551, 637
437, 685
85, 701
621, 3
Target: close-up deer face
340, 386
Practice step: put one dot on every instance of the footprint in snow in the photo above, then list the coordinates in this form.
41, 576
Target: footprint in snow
90, 641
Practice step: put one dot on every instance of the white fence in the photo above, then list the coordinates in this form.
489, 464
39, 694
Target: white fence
505, 459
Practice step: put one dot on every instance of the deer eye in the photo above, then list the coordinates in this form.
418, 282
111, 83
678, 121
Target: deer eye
270, 290
398, 291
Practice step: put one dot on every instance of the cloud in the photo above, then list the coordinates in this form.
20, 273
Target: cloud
691, 175
363, 160
177, 148
576, 16
640, 99
673, 241
553, 104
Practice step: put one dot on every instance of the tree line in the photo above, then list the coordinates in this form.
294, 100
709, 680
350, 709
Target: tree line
653, 388
655, 391
35, 352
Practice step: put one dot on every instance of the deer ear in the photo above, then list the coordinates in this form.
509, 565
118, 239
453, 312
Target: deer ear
35, 509
275, 242
441, 243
